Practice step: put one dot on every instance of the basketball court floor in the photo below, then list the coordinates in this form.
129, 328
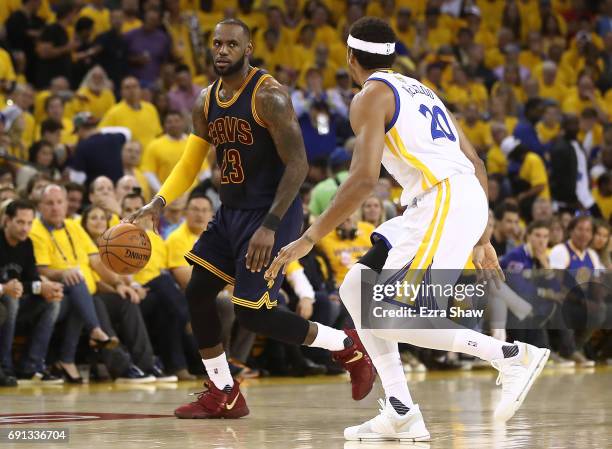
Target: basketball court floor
565, 409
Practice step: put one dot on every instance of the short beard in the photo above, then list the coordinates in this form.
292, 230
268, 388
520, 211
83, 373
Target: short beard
232, 69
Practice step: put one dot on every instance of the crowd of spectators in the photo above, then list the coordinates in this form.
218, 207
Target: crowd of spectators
95, 103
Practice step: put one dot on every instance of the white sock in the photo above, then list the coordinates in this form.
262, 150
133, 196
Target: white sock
218, 371
459, 339
391, 372
329, 338
479, 345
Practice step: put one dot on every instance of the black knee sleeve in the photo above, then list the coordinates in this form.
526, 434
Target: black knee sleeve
376, 256
201, 291
276, 323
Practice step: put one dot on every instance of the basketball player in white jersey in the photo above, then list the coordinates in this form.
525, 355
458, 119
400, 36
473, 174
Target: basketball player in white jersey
404, 125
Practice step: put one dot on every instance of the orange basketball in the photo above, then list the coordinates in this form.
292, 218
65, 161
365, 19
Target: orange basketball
125, 248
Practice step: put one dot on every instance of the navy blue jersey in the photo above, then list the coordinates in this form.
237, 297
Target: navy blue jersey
250, 166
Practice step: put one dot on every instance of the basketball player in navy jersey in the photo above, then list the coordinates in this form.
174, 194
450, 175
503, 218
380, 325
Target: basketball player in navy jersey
247, 115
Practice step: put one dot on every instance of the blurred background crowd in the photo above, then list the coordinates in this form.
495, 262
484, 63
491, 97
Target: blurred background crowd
95, 102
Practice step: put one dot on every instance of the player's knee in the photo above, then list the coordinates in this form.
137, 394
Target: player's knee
253, 320
203, 285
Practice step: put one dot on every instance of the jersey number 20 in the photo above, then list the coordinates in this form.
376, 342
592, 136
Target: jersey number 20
231, 167
437, 118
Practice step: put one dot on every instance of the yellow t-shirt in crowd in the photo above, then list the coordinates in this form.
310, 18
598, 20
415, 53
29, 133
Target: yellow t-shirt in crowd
157, 262
533, 171
179, 242
546, 134
98, 105
144, 122
144, 184
462, 95
343, 254
573, 104
479, 134
130, 24
181, 43
100, 17
496, 161
64, 249
604, 203
162, 154
439, 36
28, 135
293, 266
7, 71
555, 91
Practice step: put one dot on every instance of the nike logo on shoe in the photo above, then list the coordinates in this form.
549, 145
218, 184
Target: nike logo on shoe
231, 405
358, 356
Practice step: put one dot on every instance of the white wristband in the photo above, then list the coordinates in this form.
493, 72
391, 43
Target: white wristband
36, 287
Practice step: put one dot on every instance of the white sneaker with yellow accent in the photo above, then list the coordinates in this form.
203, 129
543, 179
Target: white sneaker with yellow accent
516, 376
390, 426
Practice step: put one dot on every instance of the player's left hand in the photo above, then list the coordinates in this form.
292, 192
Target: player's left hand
486, 262
260, 249
293, 251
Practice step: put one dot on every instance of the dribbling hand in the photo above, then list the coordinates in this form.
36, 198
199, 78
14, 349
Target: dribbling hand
152, 209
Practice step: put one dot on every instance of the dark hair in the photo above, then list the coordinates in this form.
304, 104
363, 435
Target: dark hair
34, 179
537, 224
131, 196
307, 27
35, 149
50, 126
64, 9
577, 220
504, 207
173, 112
199, 194
532, 103
87, 212
17, 205
239, 23
603, 179
50, 98
372, 29
73, 186
588, 113
182, 68
83, 24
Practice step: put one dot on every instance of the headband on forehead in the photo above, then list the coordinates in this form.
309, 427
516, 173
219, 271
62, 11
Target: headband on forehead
380, 48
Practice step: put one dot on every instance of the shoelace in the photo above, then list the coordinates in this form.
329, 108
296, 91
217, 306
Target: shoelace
505, 379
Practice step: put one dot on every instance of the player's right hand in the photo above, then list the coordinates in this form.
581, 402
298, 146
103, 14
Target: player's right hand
152, 209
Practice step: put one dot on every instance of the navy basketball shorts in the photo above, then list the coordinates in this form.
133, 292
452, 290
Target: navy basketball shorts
222, 249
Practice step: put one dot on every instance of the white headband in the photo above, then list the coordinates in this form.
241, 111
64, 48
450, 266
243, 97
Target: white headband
380, 48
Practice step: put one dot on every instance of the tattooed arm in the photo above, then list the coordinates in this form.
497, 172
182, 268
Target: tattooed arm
275, 109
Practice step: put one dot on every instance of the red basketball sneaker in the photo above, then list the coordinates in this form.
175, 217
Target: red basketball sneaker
214, 403
357, 362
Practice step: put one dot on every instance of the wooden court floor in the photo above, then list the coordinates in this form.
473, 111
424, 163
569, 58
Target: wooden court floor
565, 409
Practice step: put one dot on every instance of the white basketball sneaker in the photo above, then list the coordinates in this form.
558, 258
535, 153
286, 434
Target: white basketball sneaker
516, 376
390, 425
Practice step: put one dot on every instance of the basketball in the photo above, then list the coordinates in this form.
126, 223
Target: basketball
125, 248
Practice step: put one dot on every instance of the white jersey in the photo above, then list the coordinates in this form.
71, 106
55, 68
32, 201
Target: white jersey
421, 142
